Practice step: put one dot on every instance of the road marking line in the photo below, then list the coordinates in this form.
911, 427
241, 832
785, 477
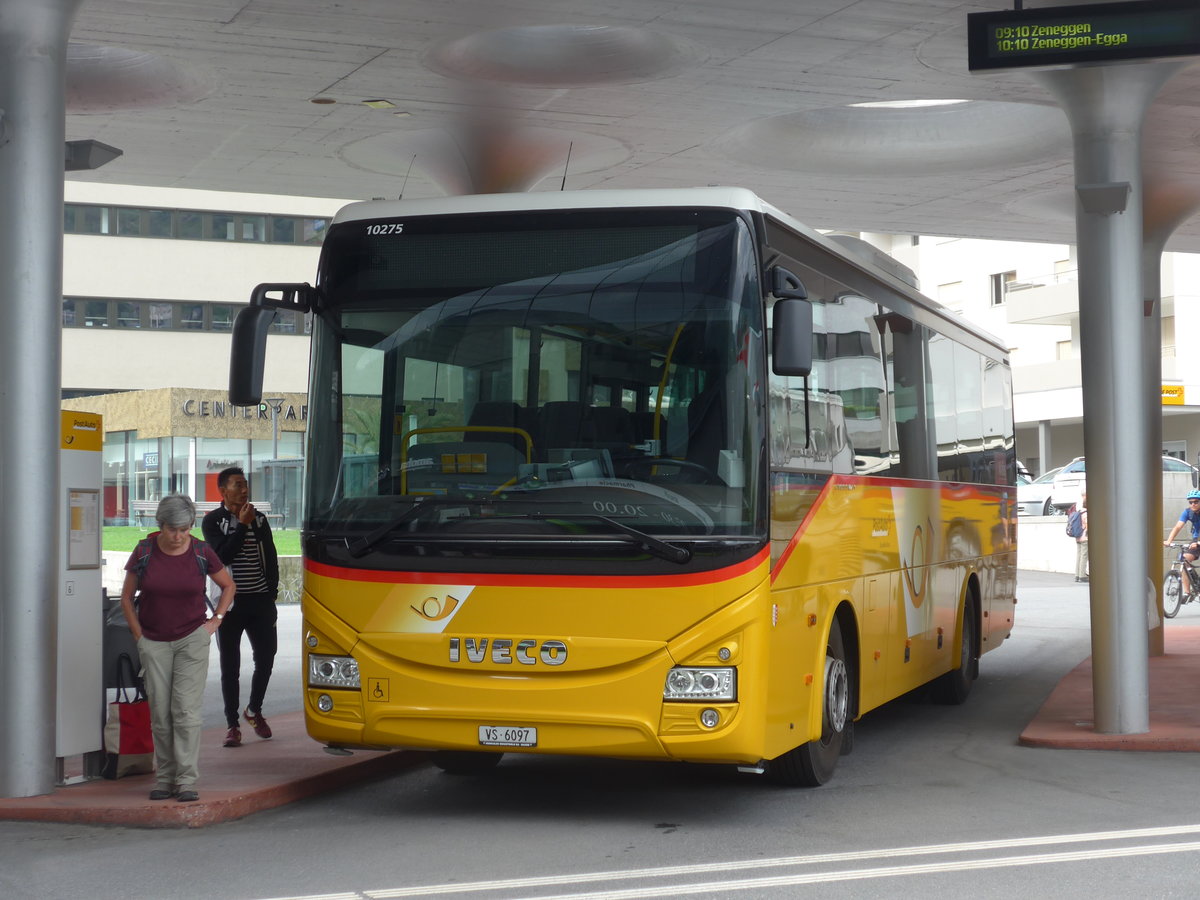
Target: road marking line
779, 862
722, 887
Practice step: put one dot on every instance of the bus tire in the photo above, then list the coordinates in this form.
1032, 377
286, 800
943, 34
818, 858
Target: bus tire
812, 764
466, 762
953, 688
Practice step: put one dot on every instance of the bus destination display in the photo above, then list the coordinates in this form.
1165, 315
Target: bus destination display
1080, 35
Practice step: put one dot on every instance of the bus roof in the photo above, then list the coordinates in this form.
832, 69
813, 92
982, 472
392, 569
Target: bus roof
716, 197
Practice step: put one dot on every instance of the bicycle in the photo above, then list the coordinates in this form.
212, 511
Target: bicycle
1173, 583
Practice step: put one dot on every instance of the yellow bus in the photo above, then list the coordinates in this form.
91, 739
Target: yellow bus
658, 475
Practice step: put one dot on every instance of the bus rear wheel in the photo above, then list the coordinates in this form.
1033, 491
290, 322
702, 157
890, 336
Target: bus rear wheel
952, 688
466, 762
812, 764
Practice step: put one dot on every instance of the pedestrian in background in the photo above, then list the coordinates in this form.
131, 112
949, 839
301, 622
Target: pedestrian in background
241, 537
170, 623
1077, 527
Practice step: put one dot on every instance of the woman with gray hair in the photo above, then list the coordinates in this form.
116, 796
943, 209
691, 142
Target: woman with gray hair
172, 630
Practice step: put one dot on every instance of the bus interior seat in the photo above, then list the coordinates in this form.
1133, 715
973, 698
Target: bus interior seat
611, 428
561, 425
501, 414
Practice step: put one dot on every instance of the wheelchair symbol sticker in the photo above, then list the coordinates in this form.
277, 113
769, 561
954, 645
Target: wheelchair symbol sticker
377, 690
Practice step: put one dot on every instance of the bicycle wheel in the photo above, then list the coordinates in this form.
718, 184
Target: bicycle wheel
1172, 594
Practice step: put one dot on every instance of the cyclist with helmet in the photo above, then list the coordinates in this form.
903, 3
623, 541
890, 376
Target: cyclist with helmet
1190, 515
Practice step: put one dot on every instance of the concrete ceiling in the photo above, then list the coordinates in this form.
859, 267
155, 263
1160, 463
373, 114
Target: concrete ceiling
268, 96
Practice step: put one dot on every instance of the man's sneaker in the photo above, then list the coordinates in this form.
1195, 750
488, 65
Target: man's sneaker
233, 737
258, 723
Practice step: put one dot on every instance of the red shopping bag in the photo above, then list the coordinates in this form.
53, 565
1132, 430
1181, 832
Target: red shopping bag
128, 742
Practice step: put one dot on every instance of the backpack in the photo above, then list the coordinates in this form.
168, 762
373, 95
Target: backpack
1075, 522
145, 547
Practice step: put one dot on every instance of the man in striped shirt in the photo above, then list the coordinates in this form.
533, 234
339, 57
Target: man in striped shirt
242, 540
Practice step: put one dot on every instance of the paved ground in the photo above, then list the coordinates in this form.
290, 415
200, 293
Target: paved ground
265, 774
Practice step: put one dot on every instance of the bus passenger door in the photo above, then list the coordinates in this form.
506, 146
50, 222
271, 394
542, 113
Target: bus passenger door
879, 620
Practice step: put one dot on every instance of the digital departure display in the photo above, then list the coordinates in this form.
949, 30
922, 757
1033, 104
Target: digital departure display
1078, 35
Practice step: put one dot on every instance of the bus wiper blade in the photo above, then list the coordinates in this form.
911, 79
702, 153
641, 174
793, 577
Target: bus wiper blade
362, 546
647, 542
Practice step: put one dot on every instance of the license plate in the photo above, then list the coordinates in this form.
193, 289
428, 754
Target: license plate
507, 736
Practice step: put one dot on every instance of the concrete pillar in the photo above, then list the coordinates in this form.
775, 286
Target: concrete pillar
1166, 205
1045, 449
33, 47
1106, 107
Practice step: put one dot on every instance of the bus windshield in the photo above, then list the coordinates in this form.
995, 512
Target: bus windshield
538, 374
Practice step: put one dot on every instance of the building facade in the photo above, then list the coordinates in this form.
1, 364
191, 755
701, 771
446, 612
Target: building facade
152, 279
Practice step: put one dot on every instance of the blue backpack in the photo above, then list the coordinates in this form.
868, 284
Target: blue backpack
1075, 522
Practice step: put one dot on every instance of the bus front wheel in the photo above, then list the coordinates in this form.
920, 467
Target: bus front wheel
812, 764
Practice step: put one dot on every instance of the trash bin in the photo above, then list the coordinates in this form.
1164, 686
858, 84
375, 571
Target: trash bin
117, 639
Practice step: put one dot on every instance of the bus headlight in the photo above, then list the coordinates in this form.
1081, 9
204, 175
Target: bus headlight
332, 671
690, 683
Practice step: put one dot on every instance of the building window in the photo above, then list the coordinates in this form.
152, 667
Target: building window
80, 219
166, 315
160, 223
191, 316
1000, 283
129, 314
162, 315
191, 224
222, 318
129, 221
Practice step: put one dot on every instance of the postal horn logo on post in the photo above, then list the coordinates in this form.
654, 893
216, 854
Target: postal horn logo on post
433, 609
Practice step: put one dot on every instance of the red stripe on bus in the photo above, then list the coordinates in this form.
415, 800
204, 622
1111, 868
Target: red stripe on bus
808, 516
524, 580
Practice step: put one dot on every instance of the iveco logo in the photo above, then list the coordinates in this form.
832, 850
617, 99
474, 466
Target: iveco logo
503, 651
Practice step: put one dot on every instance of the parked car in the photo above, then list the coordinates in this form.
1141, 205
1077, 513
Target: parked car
1033, 497
1071, 480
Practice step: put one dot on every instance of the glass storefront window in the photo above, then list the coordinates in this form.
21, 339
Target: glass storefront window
180, 453
213, 455
116, 484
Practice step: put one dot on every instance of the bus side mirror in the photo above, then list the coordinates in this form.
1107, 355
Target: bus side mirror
791, 337
248, 345
247, 355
